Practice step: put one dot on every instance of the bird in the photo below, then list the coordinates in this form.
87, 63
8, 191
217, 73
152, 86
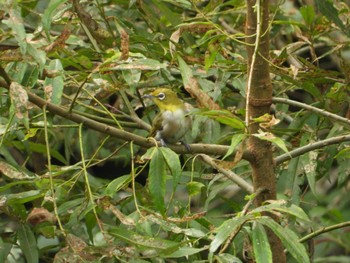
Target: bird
172, 122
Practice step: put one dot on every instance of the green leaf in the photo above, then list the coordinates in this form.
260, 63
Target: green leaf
210, 59
194, 188
185, 252
261, 245
227, 258
185, 70
235, 140
41, 148
309, 164
225, 230
38, 55
24, 197
132, 76
282, 206
5, 249
143, 241
55, 85
271, 138
289, 239
15, 22
48, 14
117, 184
140, 64
27, 243
327, 8
173, 163
308, 14
157, 180
225, 117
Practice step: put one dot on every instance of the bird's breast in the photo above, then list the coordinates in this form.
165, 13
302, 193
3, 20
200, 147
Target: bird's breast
174, 125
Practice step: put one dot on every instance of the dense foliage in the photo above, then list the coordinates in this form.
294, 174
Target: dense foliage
81, 183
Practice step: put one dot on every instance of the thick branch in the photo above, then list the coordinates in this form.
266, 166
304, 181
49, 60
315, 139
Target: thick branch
118, 133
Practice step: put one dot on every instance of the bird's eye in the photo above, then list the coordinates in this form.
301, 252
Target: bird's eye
161, 96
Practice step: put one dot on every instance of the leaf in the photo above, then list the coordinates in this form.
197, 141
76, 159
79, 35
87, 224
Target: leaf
19, 99
48, 14
157, 180
327, 8
5, 249
289, 239
309, 165
267, 136
27, 243
132, 76
140, 64
185, 70
225, 230
185, 252
261, 245
54, 86
194, 188
282, 206
15, 22
308, 14
227, 258
38, 55
143, 241
13, 173
173, 163
41, 148
24, 197
225, 117
235, 140
210, 59
117, 184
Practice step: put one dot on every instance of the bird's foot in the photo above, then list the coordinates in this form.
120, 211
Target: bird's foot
187, 146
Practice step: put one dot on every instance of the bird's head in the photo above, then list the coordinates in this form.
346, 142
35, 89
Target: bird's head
165, 99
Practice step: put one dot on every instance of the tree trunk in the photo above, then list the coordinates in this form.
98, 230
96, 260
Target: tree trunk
259, 96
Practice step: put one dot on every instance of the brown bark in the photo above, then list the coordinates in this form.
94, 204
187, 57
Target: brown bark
259, 100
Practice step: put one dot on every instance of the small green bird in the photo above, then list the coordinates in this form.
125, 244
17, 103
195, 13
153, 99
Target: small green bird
172, 122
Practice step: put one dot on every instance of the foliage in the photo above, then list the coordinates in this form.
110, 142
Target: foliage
73, 185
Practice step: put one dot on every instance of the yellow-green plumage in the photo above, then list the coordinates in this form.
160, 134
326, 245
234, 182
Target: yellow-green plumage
172, 122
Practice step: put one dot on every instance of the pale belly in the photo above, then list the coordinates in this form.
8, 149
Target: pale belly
174, 126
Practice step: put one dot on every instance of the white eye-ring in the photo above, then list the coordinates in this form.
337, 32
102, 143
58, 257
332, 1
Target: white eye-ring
161, 96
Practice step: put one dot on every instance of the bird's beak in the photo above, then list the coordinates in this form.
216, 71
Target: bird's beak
147, 96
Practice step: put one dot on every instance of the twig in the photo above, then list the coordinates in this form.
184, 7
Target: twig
312, 108
324, 230
310, 147
228, 173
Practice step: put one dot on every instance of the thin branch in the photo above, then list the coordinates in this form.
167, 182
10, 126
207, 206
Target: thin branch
228, 173
310, 147
324, 230
49, 166
322, 112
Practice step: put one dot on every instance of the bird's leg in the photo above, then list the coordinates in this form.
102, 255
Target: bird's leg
163, 143
187, 146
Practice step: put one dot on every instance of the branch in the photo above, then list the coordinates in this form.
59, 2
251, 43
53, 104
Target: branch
118, 133
324, 230
312, 108
228, 173
310, 147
